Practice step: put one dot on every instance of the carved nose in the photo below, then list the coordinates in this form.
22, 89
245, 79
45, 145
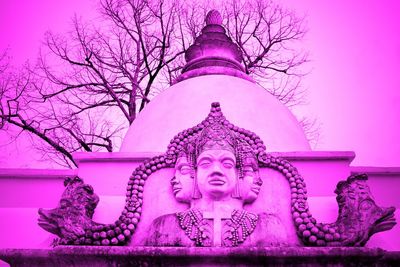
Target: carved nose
217, 168
258, 181
174, 181
217, 172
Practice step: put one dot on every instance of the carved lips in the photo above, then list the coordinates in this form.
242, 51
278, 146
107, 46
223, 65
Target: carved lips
217, 181
256, 189
176, 188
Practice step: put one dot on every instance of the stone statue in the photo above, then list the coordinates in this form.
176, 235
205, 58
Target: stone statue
224, 174
216, 172
182, 182
74, 213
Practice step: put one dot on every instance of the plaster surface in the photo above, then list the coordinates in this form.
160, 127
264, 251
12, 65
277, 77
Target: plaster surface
23, 192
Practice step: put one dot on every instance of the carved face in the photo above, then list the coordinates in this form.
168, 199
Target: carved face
182, 182
216, 173
250, 186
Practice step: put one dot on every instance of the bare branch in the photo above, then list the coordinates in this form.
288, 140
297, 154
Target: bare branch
90, 83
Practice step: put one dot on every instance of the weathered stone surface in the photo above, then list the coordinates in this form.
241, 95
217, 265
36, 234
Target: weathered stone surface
170, 256
74, 214
222, 168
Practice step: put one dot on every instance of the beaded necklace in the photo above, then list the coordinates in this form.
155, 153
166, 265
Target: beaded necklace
241, 224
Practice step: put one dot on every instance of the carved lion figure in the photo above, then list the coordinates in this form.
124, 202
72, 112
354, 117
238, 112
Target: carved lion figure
359, 216
74, 212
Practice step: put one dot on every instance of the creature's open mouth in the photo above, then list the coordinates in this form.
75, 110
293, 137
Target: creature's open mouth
43, 216
46, 222
386, 222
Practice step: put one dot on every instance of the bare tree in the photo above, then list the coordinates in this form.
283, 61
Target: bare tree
59, 131
91, 83
267, 35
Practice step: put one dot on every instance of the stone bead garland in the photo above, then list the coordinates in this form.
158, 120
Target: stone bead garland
119, 233
308, 230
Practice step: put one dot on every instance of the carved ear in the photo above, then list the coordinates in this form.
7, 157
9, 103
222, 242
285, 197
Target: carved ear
236, 192
196, 192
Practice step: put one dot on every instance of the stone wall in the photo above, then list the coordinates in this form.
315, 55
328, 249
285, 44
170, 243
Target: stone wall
23, 191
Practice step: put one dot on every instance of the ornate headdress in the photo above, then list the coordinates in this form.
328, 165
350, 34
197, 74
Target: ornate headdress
215, 132
215, 136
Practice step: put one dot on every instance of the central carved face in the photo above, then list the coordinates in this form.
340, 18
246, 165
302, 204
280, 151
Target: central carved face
216, 173
182, 182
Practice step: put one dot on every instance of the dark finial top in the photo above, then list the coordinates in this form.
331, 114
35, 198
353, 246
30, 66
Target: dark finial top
213, 17
213, 52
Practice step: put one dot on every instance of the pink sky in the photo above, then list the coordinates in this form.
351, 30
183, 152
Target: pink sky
354, 87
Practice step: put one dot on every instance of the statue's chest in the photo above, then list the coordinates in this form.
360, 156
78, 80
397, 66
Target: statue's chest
217, 229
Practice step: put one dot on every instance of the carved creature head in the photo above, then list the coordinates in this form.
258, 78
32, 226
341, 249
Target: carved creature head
74, 211
356, 206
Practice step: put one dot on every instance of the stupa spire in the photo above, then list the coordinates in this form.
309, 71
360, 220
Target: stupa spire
213, 52
213, 17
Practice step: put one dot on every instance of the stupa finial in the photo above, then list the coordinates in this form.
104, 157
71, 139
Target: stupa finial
213, 52
213, 17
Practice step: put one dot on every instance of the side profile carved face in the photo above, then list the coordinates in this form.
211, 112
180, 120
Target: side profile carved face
182, 182
216, 173
250, 185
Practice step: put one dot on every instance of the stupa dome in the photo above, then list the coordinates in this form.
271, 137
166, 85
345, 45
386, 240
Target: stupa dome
187, 103
214, 73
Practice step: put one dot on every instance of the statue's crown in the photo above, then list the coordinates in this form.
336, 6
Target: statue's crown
216, 132
215, 136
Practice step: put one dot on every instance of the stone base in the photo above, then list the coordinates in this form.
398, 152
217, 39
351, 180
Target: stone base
174, 256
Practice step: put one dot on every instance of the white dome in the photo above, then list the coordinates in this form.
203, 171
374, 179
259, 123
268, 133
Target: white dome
187, 103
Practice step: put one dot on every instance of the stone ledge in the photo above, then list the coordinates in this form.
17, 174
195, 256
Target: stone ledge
378, 171
179, 256
80, 157
36, 173
316, 155
140, 156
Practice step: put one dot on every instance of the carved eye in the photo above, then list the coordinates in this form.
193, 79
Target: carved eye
205, 163
65, 203
228, 164
248, 170
366, 205
88, 189
185, 169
